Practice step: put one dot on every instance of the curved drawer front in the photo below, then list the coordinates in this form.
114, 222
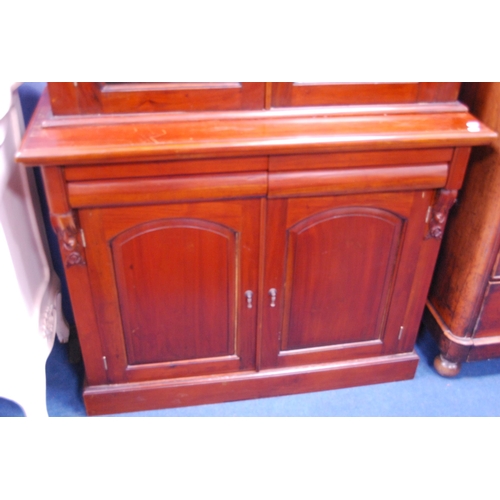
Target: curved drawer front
166, 189
164, 168
357, 180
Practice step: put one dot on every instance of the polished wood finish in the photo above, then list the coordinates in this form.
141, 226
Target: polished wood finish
463, 310
95, 98
495, 275
169, 284
446, 368
68, 98
141, 139
249, 253
363, 159
460, 160
161, 169
188, 274
321, 94
341, 255
439, 213
189, 391
325, 182
166, 189
78, 282
487, 322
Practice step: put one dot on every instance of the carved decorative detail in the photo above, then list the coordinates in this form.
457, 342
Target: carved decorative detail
439, 213
65, 227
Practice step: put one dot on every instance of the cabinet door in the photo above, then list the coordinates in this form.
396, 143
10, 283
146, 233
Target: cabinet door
285, 94
339, 273
168, 284
103, 98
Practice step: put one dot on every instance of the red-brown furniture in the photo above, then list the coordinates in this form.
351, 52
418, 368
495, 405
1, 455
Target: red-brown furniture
463, 310
229, 241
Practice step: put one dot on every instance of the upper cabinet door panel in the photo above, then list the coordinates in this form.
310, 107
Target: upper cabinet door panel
106, 98
328, 94
96, 98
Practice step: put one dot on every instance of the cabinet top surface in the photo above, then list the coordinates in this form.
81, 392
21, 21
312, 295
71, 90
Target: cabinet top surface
53, 140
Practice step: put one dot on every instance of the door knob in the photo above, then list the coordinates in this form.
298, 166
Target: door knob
249, 295
272, 293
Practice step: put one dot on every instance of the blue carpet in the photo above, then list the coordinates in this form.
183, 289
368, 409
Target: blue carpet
473, 393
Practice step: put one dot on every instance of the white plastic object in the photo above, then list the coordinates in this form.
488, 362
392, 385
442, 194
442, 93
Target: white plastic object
30, 298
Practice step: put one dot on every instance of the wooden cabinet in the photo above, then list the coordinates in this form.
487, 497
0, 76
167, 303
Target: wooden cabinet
463, 310
216, 256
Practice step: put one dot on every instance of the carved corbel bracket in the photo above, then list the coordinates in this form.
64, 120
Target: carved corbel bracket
71, 249
439, 213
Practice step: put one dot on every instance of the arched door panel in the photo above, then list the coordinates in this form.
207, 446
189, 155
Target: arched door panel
341, 270
169, 285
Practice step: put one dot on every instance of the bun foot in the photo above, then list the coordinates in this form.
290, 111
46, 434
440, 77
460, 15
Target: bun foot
446, 368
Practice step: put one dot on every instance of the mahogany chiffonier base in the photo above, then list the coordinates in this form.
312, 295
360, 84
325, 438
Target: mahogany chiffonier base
228, 241
120, 398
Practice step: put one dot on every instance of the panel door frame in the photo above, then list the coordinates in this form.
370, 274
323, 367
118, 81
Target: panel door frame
410, 206
101, 225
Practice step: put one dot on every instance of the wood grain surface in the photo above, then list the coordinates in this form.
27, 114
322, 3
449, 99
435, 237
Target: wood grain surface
152, 141
232, 249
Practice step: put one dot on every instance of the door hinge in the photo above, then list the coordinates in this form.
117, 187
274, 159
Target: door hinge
428, 215
400, 332
105, 363
82, 236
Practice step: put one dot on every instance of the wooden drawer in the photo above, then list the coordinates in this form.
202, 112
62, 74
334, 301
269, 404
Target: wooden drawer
488, 322
392, 158
357, 180
143, 191
159, 169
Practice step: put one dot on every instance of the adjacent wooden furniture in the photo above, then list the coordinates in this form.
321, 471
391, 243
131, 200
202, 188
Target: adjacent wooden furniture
463, 310
227, 241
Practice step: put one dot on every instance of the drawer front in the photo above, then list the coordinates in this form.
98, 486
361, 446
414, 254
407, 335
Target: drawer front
495, 275
159, 169
488, 322
356, 180
329, 161
144, 191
